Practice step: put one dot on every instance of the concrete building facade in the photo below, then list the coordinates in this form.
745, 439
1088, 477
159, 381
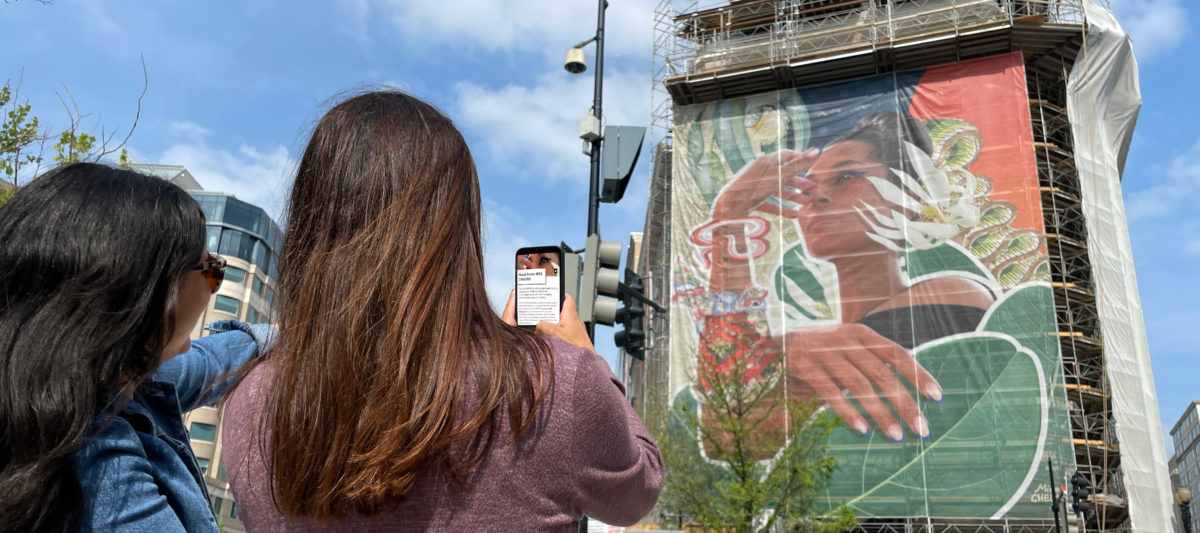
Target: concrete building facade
1185, 463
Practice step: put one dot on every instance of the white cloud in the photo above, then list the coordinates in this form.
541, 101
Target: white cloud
1154, 25
538, 125
500, 241
259, 175
1178, 186
539, 26
1192, 247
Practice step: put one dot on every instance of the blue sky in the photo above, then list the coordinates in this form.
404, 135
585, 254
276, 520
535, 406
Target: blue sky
233, 92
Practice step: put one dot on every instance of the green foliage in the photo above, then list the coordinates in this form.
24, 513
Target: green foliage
72, 147
23, 141
18, 131
733, 464
5, 194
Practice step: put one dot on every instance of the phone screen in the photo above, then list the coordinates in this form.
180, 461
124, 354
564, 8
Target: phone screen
539, 285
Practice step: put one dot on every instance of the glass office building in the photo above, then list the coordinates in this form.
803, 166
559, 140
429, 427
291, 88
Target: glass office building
249, 240
241, 230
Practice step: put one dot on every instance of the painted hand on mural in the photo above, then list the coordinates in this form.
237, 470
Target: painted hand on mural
772, 175
824, 361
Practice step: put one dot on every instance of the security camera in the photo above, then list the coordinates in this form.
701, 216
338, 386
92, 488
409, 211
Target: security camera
576, 62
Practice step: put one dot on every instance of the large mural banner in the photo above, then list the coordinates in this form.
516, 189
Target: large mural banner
877, 246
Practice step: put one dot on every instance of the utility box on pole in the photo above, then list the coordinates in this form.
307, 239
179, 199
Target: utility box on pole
622, 146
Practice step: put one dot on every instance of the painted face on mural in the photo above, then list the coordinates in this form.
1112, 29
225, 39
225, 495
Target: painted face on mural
831, 225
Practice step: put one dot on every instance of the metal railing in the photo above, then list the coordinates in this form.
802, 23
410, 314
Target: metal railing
702, 41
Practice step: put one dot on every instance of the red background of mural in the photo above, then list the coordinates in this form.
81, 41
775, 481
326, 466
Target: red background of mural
985, 92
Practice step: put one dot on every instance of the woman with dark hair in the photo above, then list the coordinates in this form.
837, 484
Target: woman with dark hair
103, 275
396, 398
860, 203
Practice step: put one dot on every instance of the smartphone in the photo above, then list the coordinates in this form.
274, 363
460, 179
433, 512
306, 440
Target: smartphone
540, 285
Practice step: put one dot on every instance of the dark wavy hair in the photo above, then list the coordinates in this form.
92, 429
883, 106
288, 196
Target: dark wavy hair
385, 319
90, 263
886, 132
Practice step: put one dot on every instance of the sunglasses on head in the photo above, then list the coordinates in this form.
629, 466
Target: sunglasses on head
213, 268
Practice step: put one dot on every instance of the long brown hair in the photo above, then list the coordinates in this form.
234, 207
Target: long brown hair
385, 319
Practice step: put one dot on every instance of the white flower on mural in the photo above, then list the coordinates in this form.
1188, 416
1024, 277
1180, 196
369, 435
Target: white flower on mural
943, 207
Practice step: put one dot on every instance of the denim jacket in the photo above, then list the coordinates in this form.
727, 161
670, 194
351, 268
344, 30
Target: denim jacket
139, 474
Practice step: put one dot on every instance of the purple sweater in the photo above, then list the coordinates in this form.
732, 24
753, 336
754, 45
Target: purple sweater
587, 453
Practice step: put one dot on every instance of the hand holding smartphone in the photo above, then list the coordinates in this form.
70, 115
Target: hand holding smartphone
539, 285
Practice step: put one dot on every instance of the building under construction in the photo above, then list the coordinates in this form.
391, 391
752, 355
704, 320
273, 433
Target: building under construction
1076, 65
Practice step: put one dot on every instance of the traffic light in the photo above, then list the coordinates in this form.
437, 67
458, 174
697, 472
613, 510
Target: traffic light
1081, 490
601, 281
630, 316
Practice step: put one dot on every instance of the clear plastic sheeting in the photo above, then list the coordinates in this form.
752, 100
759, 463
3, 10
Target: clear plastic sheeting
1103, 102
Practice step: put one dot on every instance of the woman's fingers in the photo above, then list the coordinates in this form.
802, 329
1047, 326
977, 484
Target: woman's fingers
569, 328
792, 163
881, 375
569, 313
509, 316
831, 394
903, 362
776, 209
792, 195
803, 189
797, 182
851, 378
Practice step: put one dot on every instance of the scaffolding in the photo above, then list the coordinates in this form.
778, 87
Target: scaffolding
751, 46
655, 267
743, 47
1097, 452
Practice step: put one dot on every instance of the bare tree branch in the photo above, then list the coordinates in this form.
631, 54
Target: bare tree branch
137, 115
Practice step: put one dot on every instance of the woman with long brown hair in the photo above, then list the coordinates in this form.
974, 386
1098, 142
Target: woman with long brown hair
396, 398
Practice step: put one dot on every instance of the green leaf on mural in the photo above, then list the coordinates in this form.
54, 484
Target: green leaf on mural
941, 258
794, 270
725, 132
1027, 314
985, 436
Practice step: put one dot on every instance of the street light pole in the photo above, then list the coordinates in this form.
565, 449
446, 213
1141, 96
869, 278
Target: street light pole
593, 223
1183, 498
1053, 495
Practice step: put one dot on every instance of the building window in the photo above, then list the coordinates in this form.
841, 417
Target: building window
204, 432
270, 297
258, 286
237, 244
221, 472
203, 465
235, 275
244, 215
252, 316
217, 501
213, 206
232, 509
213, 234
227, 304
